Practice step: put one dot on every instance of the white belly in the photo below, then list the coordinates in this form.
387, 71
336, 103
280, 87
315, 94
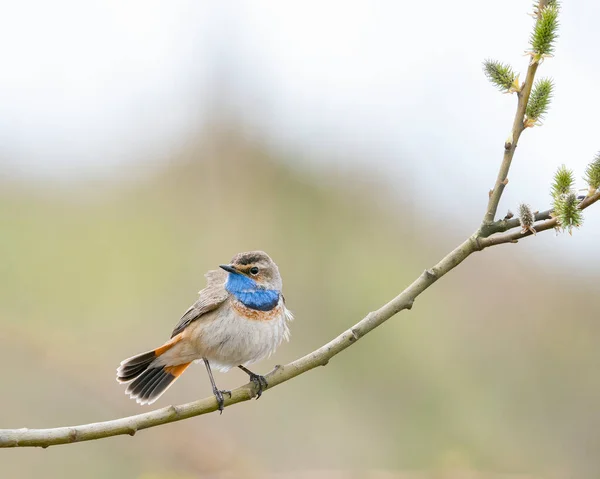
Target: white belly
227, 339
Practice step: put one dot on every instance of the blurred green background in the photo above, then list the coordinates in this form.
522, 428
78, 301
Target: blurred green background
493, 374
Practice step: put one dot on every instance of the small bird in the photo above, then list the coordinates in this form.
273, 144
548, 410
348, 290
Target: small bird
238, 319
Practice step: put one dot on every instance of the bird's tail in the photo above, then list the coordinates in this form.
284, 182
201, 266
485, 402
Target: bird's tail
148, 380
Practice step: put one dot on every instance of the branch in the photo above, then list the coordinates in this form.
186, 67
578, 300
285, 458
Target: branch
320, 357
511, 144
551, 223
501, 226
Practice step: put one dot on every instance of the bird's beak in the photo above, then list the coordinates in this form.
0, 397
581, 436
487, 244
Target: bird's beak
229, 268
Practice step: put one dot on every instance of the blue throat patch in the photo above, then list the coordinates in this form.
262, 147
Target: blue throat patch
252, 295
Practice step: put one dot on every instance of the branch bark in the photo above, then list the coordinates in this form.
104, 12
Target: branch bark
510, 146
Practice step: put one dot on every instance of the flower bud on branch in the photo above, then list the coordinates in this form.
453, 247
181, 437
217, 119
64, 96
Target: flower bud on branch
526, 218
539, 102
544, 33
592, 175
502, 76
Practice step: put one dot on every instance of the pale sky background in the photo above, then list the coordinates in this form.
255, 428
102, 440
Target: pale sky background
90, 87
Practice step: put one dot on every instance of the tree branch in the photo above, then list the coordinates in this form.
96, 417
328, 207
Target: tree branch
501, 226
320, 357
513, 237
511, 144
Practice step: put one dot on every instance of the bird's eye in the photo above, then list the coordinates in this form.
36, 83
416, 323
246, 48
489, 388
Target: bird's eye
254, 270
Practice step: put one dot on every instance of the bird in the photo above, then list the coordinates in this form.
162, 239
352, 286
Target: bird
239, 318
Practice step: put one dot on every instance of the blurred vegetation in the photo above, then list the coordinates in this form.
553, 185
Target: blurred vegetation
494, 370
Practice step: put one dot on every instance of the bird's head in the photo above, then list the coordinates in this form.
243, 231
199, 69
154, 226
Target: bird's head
252, 270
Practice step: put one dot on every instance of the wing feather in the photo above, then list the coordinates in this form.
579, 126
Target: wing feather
210, 298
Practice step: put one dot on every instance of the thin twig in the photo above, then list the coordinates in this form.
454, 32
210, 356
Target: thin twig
511, 145
514, 236
501, 226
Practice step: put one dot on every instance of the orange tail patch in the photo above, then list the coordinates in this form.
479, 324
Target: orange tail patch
176, 371
168, 345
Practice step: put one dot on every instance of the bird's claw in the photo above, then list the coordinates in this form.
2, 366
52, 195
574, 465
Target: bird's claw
220, 399
261, 383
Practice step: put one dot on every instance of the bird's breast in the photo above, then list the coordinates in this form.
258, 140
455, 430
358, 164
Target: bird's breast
236, 334
254, 314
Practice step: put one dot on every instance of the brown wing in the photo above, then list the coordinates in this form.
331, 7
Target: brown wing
210, 298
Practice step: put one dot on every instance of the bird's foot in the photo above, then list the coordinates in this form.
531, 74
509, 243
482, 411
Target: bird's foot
220, 399
261, 383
